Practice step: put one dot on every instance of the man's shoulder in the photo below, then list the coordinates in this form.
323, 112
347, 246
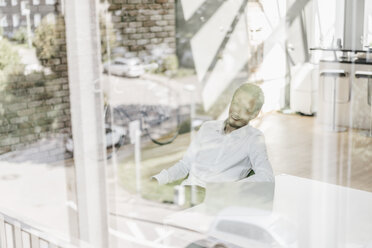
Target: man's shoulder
253, 134
255, 131
212, 124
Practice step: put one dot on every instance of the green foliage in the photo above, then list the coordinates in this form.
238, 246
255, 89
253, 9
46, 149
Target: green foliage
154, 158
107, 37
169, 66
9, 59
8, 56
185, 127
47, 34
20, 35
184, 72
45, 37
24, 100
170, 63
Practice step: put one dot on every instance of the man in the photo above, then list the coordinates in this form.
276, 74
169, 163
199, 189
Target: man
226, 151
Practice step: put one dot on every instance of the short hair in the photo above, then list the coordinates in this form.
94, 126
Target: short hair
255, 91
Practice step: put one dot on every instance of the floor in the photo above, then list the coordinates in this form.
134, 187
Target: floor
297, 145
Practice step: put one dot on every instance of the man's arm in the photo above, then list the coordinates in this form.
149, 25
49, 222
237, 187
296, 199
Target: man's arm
177, 171
260, 162
181, 168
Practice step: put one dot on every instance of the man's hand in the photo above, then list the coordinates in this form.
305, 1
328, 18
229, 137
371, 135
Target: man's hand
153, 179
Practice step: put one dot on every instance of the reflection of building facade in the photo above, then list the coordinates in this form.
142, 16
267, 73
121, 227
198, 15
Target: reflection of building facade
36, 108
11, 17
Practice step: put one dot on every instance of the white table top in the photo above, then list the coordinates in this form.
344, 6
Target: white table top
324, 215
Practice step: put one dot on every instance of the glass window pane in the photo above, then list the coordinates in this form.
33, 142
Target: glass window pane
161, 123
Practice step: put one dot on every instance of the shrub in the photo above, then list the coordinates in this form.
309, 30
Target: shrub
19, 119
45, 37
170, 63
9, 59
166, 63
20, 35
185, 127
47, 34
8, 55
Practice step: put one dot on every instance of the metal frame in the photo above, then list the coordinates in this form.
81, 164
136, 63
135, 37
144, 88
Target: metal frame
334, 74
368, 76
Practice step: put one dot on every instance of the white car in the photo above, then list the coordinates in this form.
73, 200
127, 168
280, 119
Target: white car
237, 227
125, 67
115, 136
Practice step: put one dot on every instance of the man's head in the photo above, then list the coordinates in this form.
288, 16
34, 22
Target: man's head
245, 105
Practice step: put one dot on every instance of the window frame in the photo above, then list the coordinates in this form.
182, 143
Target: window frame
15, 16
50, 2
5, 17
36, 24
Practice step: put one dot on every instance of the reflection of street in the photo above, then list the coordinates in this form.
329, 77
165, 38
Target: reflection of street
148, 90
159, 102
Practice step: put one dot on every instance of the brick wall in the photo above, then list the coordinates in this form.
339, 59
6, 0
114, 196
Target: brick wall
143, 25
37, 105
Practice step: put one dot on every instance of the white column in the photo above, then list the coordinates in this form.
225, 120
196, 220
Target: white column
84, 67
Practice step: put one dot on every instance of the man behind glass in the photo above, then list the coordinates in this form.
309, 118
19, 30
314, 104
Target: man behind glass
226, 151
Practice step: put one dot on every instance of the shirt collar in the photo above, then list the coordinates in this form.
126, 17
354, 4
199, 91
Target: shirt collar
239, 131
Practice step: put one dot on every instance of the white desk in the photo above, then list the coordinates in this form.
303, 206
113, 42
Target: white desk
324, 215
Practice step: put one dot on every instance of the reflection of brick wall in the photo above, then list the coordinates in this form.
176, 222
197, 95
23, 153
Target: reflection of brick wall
144, 24
36, 106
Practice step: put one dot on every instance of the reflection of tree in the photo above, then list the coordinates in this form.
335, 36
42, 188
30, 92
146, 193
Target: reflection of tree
49, 39
20, 35
31, 106
9, 58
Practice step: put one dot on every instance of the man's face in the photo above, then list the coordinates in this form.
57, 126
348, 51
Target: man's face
242, 109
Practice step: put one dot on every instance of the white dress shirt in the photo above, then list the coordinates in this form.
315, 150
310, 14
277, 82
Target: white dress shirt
214, 156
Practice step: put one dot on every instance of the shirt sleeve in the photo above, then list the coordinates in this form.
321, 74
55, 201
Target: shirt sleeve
260, 162
181, 168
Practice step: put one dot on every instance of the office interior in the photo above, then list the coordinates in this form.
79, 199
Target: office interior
98, 96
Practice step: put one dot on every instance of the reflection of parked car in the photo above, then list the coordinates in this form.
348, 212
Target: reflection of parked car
125, 67
242, 227
115, 135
